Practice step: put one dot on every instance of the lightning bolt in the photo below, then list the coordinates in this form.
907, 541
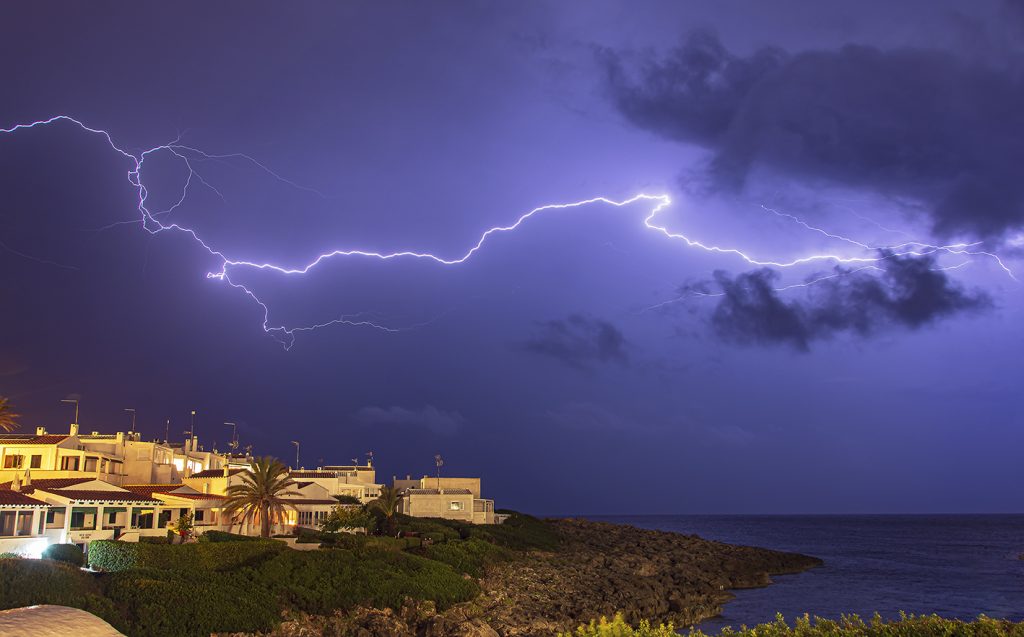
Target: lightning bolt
189, 156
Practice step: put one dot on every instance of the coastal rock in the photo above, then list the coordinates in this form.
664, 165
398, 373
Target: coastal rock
601, 569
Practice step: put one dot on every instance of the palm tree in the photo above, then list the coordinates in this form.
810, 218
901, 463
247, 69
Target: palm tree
387, 504
8, 419
260, 495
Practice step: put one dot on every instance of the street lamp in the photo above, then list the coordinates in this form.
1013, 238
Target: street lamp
296, 443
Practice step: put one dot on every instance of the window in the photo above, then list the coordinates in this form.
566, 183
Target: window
83, 519
24, 523
7, 522
199, 515
69, 463
13, 461
37, 461
454, 506
112, 517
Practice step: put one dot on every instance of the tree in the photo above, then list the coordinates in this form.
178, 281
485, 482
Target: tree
343, 517
387, 504
184, 527
260, 496
8, 418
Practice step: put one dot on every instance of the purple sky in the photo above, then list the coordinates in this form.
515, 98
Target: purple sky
583, 363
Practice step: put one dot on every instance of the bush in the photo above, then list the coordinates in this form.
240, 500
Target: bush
520, 532
471, 556
224, 536
164, 603
29, 582
69, 553
113, 556
848, 626
323, 581
154, 539
347, 499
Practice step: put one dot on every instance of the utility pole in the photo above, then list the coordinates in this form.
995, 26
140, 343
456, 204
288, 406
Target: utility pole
296, 443
132, 412
438, 462
167, 432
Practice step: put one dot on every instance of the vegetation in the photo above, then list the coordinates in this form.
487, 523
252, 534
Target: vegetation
347, 499
848, 626
114, 556
346, 517
24, 582
8, 418
227, 583
260, 496
387, 506
68, 553
183, 527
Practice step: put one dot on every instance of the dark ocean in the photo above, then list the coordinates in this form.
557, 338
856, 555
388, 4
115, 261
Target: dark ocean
953, 565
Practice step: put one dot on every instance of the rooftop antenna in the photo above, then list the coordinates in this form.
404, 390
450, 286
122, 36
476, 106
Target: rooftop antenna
439, 462
167, 431
72, 400
296, 443
233, 445
369, 458
131, 411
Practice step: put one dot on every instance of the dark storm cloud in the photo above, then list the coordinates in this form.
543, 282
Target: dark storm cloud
922, 124
579, 341
910, 293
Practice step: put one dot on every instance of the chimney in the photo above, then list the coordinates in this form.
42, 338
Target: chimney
226, 471
119, 437
74, 429
40, 431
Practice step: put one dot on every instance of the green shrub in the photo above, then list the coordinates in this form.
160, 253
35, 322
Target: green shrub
113, 556
848, 626
434, 529
29, 582
154, 539
320, 582
69, 553
347, 499
224, 536
164, 603
520, 532
471, 556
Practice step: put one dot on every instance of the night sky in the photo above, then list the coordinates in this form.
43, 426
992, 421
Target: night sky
582, 363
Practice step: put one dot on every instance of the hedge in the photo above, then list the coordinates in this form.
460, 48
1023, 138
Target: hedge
470, 556
320, 582
69, 553
224, 536
25, 582
164, 603
113, 556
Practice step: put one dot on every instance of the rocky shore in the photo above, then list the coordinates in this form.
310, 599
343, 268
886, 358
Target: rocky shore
600, 570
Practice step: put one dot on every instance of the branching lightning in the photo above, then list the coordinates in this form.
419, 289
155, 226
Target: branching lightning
189, 155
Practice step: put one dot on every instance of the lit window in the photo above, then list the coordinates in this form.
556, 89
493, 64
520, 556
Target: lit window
455, 506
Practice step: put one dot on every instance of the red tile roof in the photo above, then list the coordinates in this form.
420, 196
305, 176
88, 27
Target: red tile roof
102, 495
18, 499
307, 501
313, 474
49, 483
215, 473
32, 439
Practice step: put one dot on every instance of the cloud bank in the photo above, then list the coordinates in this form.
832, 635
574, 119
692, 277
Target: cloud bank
579, 341
925, 125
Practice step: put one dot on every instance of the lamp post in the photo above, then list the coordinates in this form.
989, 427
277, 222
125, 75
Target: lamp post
296, 443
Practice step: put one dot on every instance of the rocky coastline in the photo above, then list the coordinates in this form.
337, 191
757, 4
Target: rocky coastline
601, 569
